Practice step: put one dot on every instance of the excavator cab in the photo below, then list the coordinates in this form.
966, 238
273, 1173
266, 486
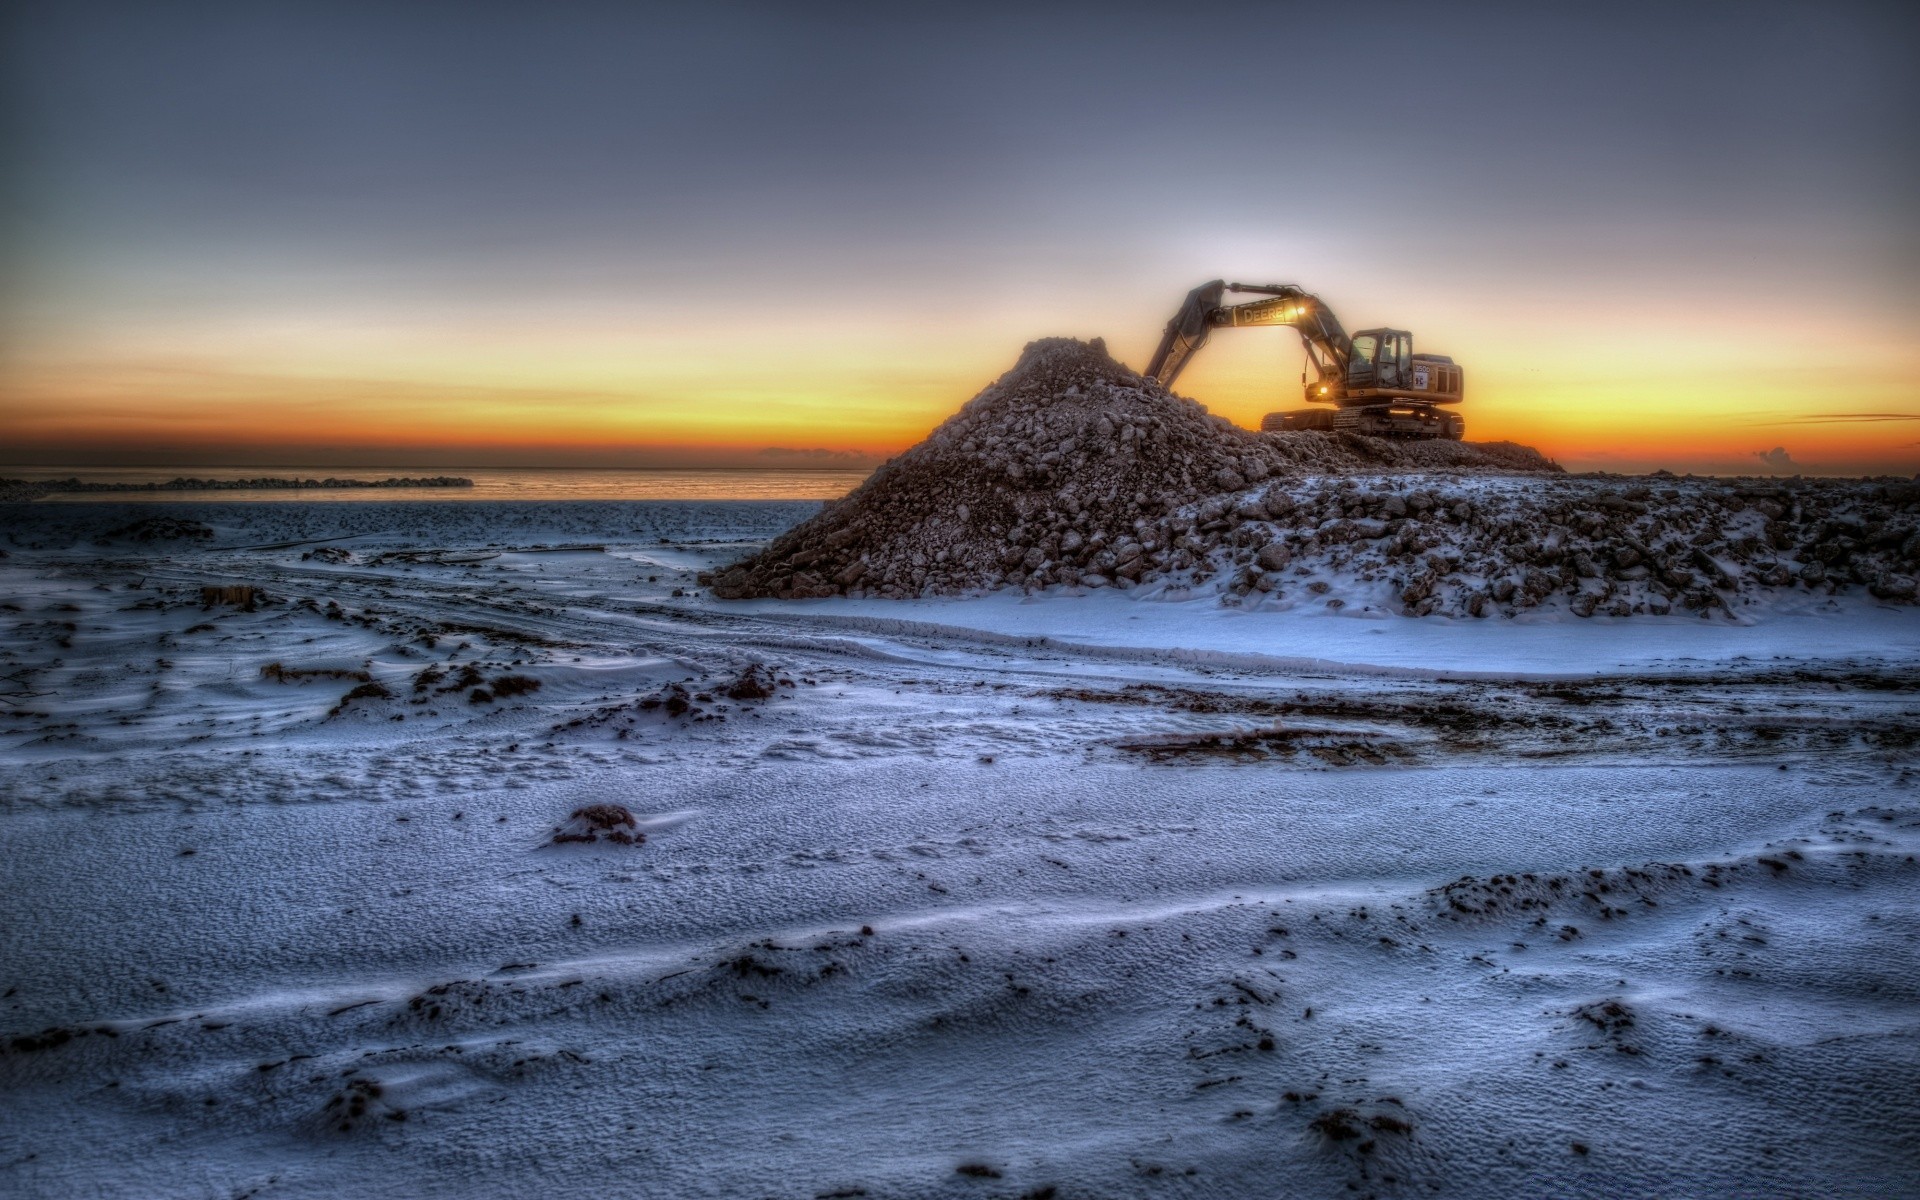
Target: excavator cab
1382, 358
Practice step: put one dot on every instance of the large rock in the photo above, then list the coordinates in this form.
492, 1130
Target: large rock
1274, 556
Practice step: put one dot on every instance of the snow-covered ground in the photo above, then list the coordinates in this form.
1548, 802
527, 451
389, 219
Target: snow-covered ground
1100, 895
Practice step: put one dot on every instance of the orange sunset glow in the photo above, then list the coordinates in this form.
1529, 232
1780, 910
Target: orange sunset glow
1707, 399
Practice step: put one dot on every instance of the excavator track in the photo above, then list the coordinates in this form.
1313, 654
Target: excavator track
1389, 421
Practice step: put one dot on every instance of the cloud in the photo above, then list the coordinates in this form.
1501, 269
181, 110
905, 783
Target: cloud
1777, 458
817, 455
1845, 418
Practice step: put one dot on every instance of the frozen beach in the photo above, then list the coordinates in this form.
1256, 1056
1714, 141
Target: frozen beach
1075, 894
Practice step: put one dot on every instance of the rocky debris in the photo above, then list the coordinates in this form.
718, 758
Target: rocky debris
1613, 1020
757, 682
673, 698
1601, 892
33, 489
1330, 747
358, 1102
1346, 1124
158, 529
1597, 546
233, 595
1379, 1140
690, 701
433, 557
1611, 1016
51, 1038
437, 680
600, 822
328, 554
281, 673
373, 690
507, 686
1072, 471
22, 491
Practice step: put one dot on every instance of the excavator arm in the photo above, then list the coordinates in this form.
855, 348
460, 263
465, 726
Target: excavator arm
1283, 304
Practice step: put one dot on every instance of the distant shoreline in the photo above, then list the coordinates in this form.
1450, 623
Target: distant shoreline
411, 483
33, 489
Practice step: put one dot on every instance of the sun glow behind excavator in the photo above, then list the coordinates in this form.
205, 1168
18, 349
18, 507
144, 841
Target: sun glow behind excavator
1374, 380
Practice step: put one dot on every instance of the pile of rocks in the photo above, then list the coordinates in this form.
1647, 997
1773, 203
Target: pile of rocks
1598, 546
1595, 545
756, 682
599, 822
1069, 469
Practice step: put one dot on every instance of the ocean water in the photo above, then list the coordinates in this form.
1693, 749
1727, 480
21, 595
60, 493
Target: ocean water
489, 483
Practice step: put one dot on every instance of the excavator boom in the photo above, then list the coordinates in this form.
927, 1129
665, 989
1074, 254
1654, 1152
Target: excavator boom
1285, 304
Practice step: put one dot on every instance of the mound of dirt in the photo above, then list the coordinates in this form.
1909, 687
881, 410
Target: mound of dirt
600, 822
1068, 469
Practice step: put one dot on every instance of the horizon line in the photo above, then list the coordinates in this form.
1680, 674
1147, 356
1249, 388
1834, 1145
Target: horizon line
6, 466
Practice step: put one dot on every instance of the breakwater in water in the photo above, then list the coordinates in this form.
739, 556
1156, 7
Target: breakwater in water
32, 489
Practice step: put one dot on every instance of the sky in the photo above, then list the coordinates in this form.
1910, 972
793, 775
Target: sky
1674, 235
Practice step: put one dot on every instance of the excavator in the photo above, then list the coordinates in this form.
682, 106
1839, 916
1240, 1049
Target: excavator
1377, 385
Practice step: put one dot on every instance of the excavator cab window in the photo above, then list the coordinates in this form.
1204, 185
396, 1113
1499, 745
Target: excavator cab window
1392, 364
1381, 358
1360, 364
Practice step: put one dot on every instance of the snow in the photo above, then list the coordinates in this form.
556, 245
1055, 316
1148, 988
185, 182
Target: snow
1106, 893
1364, 635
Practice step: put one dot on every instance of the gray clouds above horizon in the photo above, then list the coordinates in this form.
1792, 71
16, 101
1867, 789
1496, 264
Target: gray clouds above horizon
483, 142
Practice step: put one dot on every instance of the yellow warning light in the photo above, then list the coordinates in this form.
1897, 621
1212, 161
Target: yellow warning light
1323, 391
